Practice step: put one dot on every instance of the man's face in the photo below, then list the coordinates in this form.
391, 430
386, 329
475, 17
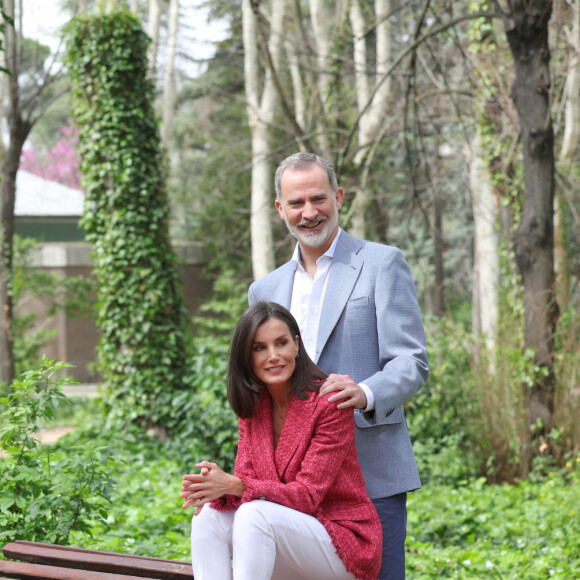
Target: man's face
309, 206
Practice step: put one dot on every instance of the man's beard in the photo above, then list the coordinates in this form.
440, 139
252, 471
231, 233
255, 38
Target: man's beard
314, 239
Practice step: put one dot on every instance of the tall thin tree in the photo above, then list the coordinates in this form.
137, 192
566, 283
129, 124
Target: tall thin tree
526, 26
27, 102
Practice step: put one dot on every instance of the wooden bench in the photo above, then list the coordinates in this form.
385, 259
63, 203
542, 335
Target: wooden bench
35, 560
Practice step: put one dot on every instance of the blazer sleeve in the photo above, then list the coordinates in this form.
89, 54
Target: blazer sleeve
243, 469
401, 340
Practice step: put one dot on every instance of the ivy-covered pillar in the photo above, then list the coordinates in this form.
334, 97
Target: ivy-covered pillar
141, 314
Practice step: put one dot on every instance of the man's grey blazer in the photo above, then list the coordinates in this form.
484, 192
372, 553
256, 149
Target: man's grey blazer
370, 329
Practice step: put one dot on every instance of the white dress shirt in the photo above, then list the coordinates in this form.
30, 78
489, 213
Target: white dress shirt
307, 299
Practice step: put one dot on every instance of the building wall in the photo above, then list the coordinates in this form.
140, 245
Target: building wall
49, 229
76, 338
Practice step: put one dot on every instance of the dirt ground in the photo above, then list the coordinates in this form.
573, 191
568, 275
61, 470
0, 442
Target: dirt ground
52, 435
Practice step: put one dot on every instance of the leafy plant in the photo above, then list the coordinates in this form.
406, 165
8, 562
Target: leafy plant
476, 530
45, 497
209, 429
438, 414
141, 350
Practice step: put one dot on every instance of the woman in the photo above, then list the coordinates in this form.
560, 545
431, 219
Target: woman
296, 506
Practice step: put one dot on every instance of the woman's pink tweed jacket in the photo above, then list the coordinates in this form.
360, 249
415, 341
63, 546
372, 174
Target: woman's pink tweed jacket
313, 470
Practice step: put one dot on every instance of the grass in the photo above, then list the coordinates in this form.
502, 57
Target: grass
475, 530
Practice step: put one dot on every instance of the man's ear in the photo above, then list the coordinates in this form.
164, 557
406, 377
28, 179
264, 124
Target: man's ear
280, 209
339, 197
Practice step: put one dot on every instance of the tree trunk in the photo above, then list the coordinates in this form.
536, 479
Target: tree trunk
18, 132
153, 28
169, 80
486, 248
9, 169
527, 33
320, 25
19, 126
567, 156
572, 113
260, 117
4, 78
371, 106
438, 239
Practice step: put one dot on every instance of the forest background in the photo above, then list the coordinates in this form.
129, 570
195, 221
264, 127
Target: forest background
454, 128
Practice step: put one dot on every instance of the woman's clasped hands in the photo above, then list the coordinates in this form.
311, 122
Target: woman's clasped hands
210, 483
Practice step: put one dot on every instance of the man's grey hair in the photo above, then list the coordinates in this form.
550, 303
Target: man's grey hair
302, 162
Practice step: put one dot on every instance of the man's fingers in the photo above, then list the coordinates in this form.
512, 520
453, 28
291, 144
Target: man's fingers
336, 383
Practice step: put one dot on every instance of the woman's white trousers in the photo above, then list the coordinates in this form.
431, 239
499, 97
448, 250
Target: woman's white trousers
267, 541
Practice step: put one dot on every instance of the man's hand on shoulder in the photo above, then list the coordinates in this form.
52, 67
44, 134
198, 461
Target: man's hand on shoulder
346, 392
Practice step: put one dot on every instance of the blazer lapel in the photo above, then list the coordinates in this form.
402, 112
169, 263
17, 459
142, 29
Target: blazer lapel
344, 272
296, 428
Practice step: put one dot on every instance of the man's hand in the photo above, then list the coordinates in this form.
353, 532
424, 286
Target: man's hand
346, 392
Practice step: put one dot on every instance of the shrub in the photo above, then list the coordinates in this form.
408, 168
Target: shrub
44, 497
437, 415
209, 428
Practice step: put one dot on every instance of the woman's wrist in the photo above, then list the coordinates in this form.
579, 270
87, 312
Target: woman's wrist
238, 487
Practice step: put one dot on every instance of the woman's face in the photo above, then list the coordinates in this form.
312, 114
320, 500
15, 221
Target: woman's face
274, 353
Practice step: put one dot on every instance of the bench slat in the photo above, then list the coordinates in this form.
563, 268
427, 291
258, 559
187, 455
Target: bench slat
97, 560
27, 571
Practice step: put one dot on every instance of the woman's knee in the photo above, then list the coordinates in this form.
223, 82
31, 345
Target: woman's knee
211, 523
252, 515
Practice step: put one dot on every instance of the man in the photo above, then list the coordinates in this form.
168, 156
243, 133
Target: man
356, 305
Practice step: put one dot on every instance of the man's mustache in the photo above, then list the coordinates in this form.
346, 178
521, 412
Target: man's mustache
312, 223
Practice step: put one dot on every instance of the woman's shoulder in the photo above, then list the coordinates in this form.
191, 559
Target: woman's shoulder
330, 409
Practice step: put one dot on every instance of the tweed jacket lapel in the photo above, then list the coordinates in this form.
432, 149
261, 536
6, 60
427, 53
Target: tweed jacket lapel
270, 464
344, 272
262, 442
296, 429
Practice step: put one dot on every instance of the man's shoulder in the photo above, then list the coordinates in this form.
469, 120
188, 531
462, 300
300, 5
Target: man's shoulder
264, 287
370, 249
275, 274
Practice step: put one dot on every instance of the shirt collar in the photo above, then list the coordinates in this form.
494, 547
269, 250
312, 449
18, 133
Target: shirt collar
297, 257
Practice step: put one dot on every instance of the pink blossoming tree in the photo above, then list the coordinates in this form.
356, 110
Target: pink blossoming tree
60, 164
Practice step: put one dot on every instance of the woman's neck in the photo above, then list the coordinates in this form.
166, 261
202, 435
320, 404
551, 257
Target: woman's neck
280, 404
280, 395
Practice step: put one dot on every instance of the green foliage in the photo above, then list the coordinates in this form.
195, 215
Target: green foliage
480, 30
4, 20
471, 418
209, 431
145, 515
474, 530
438, 414
141, 314
44, 496
565, 438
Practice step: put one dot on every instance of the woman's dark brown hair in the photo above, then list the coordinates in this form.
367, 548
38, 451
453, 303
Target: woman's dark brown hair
244, 387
